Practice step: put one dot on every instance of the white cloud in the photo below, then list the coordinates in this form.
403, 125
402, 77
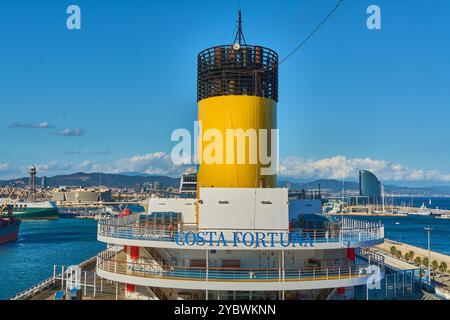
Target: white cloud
159, 163
70, 132
53, 166
339, 166
4, 167
38, 125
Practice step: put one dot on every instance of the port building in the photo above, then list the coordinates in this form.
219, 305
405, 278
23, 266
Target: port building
69, 195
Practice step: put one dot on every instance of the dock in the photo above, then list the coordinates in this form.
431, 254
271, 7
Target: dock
441, 282
372, 211
404, 248
364, 214
92, 286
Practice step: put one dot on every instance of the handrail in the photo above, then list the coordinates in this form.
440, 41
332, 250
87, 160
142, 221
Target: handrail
212, 274
129, 220
365, 259
362, 255
50, 280
357, 233
120, 221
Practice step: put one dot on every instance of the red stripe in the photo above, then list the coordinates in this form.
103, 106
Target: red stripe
134, 252
9, 237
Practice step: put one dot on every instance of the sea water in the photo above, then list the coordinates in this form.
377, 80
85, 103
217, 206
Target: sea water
41, 245
410, 230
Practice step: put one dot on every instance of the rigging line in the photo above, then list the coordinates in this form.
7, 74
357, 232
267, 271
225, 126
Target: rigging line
300, 22
311, 34
316, 29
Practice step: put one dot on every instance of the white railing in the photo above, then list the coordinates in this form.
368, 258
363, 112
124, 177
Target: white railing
361, 267
44, 284
348, 231
122, 221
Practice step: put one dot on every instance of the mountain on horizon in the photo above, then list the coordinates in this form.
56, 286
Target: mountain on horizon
135, 180
95, 179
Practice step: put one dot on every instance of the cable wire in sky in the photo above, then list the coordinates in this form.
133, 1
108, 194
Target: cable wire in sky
300, 22
315, 30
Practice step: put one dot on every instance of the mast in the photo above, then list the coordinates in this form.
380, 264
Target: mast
239, 38
343, 191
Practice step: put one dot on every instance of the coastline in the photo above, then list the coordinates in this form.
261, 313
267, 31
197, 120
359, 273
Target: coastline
362, 214
404, 248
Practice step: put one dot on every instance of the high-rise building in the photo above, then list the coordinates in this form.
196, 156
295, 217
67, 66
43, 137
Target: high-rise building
157, 185
44, 182
369, 187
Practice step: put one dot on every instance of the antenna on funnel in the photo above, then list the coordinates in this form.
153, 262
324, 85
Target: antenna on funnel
239, 39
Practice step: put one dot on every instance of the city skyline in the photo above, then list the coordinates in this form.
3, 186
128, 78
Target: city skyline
107, 97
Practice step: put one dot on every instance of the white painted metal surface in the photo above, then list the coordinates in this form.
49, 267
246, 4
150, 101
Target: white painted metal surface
238, 285
243, 209
180, 205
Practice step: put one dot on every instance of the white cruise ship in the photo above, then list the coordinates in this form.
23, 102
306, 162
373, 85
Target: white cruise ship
241, 237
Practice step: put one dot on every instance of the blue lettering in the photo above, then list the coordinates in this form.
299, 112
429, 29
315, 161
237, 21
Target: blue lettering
222, 238
272, 240
260, 238
244, 239
210, 234
200, 239
177, 239
281, 240
296, 239
190, 235
257, 239
236, 238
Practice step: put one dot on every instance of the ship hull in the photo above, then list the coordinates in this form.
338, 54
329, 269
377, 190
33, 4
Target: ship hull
9, 233
36, 214
35, 211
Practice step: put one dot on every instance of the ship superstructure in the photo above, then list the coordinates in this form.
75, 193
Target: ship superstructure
242, 237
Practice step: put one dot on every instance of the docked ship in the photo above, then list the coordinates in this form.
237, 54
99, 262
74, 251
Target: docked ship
423, 211
29, 209
241, 237
9, 227
45, 210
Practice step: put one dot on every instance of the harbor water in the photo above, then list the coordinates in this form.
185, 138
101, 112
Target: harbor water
41, 245
410, 230
431, 203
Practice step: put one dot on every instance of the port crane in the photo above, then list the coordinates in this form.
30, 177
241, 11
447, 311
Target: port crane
7, 200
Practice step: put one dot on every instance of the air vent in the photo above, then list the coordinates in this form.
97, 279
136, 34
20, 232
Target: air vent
224, 202
266, 202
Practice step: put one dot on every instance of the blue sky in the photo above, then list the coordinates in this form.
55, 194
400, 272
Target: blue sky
108, 97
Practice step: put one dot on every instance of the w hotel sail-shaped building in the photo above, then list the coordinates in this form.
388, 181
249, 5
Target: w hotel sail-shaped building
241, 238
369, 187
